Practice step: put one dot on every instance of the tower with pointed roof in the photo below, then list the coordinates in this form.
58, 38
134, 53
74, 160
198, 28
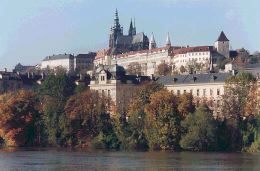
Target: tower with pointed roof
120, 43
168, 41
222, 45
152, 43
132, 29
116, 31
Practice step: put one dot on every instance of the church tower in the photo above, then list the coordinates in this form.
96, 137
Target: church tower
132, 29
168, 41
115, 31
152, 43
222, 45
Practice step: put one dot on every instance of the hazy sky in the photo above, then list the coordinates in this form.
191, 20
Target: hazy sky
33, 29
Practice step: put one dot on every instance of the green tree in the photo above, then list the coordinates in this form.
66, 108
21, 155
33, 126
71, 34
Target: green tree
201, 128
238, 94
55, 91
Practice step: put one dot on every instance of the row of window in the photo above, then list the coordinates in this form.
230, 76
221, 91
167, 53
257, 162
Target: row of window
192, 59
198, 92
193, 54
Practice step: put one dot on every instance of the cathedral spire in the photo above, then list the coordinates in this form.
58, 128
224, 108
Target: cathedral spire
168, 40
152, 43
116, 20
131, 28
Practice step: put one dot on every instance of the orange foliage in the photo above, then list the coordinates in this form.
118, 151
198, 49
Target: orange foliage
17, 111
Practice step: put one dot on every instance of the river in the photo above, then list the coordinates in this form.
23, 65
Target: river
64, 160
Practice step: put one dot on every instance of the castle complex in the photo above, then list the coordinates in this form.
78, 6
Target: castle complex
137, 49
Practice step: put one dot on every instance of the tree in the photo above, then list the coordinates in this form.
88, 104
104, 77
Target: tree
163, 121
88, 118
182, 69
20, 119
55, 91
130, 128
186, 104
200, 129
238, 103
134, 68
164, 69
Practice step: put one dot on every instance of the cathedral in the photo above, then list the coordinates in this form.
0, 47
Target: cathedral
120, 43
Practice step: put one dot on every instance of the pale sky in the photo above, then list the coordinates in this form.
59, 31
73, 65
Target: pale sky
33, 29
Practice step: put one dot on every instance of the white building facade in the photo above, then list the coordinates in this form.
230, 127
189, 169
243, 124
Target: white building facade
171, 55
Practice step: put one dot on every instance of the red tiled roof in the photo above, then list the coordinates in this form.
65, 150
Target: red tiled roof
192, 49
102, 53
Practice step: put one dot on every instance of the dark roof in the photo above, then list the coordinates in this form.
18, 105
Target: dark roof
222, 37
124, 40
61, 56
89, 55
128, 39
194, 78
138, 38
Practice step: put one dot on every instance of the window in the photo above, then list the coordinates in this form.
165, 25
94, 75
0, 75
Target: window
178, 92
108, 93
184, 91
204, 92
211, 92
198, 92
191, 92
102, 78
218, 92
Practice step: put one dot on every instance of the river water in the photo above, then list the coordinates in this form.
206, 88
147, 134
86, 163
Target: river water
64, 160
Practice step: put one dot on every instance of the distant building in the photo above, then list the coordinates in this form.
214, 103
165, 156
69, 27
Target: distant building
23, 68
69, 62
204, 87
84, 62
65, 61
113, 82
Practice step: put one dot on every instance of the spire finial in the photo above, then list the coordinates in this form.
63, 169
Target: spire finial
168, 40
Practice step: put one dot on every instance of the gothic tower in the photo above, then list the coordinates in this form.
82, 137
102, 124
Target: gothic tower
222, 45
132, 29
115, 31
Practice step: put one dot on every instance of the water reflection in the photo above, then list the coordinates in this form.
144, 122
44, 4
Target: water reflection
69, 160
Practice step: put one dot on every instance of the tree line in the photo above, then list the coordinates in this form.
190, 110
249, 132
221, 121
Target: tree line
59, 114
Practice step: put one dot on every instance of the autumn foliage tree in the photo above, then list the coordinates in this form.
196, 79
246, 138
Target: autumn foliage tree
164, 69
88, 118
163, 121
20, 119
